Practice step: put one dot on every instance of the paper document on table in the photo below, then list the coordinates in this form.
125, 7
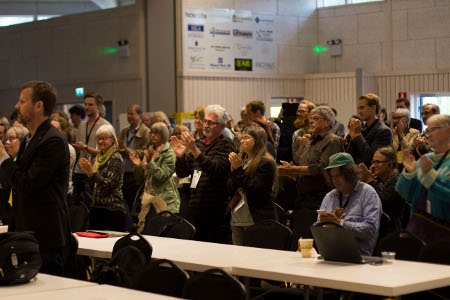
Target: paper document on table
241, 202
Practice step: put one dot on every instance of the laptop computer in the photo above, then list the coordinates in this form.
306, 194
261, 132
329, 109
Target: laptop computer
338, 244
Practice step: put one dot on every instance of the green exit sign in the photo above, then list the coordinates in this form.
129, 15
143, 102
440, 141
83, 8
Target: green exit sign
79, 91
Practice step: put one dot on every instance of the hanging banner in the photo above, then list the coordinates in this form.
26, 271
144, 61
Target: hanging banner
228, 40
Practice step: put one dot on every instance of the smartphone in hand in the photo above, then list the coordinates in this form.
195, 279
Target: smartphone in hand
322, 212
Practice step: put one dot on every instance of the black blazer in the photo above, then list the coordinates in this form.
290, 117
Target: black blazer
40, 178
364, 146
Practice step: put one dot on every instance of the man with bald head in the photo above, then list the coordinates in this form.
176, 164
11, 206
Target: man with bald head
133, 138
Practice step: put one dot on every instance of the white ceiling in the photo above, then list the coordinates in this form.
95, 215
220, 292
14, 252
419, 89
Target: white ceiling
56, 7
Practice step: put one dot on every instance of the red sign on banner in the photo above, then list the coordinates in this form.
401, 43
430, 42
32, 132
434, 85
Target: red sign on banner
402, 95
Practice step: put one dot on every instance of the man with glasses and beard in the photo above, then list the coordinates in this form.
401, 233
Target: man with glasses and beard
302, 123
206, 160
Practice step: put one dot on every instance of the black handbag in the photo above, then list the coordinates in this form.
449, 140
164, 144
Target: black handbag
20, 259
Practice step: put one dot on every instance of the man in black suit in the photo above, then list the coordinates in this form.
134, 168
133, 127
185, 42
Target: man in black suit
365, 141
40, 176
413, 123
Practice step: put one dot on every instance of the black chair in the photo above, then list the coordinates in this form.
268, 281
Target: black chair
161, 277
166, 224
385, 228
214, 284
302, 219
406, 214
268, 234
79, 216
281, 214
436, 252
75, 266
406, 245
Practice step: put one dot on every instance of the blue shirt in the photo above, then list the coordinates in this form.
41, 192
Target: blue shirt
363, 213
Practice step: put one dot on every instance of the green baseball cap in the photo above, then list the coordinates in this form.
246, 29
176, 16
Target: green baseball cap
340, 159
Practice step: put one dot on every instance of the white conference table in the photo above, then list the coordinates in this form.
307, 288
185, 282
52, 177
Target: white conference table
396, 279
96, 292
42, 283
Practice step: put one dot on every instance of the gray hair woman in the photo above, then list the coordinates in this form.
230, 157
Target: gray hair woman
14, 136
109, 211
402, 136
159, 166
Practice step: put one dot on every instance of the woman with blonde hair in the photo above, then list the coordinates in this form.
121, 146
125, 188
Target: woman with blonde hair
252, 181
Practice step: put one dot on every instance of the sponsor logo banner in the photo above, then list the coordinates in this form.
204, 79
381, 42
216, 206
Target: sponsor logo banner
243, 64
247, 34
215, 31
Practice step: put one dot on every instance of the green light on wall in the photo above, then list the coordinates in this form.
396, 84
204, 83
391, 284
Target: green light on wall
108, 50
319, 49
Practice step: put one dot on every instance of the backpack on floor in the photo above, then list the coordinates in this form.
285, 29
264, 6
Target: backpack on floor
20, 259
128, 257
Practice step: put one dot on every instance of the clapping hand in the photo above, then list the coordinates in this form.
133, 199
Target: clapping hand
156, 152
86, 166
366, 174
134, 158
235, 160
426, 164
355, 128
2, 150
284, 169
409, 161
177, 146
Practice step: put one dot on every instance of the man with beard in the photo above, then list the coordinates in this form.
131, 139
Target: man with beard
300, 137
86, 141
40, 177
309, 173
206, 160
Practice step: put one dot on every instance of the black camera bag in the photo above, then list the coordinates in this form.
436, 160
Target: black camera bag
20, 259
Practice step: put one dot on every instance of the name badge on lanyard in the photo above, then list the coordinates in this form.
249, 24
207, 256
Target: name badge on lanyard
195, 178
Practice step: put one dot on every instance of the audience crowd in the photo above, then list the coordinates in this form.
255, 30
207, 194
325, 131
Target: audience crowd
224, 177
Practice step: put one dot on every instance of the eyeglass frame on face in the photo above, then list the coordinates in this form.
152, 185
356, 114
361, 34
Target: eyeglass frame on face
398, 117
316, 118
246, 138
430, 130
103, 138
209, 123
11, 139
378, 162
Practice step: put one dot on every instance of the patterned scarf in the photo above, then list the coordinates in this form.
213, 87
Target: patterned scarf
100, 161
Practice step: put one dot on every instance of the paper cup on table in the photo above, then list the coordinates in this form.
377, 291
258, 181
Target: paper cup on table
305, 246
388, 256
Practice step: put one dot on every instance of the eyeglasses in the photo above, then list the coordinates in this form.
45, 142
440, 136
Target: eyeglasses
378, 162
315, 118
398, 118
210, 123
11, 139
430, 130
103, 138
246, 138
